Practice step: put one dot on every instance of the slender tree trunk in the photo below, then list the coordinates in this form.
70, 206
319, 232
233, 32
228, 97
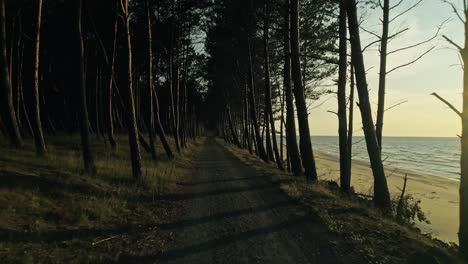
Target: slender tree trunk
150, 82
88, 157
268, 105
110, 119
350, 122
232, 128
37, 129
463, 229
291, 137
131, 115
247, 120
159, 127
253, 108
281, 145
305, 144
267, 135
381, 193
383, 72
342, 115
8, 111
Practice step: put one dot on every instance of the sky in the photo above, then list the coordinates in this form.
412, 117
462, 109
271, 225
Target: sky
439, 71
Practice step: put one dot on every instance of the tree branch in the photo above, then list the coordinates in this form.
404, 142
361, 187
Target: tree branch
370, 32
398, 33
455, 10
448, 104
452, 42
406, 11
395, 105
418, 44
411, 62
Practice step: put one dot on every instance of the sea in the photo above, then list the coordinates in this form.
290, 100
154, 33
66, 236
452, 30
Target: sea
433, 156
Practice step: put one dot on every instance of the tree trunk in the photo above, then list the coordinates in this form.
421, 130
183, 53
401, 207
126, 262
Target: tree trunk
268, 104
266, 134
131, 116
37, 124
345, 182
305, 144
383, 73
110, 119
8, 111
159, 127
381, 193
350, 122
463, 230
150, 82
247, 120
253, 108
291, 137
232, 128
85, 135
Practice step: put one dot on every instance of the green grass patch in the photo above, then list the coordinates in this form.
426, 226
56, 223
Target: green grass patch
51, 212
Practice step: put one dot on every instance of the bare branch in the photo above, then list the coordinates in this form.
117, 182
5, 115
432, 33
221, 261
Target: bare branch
395, 105
448, 104
420, 43
332, 112
455, 10
406, 11
452, 42
396, 5
370, 32
370, 44
398, 33
411, 62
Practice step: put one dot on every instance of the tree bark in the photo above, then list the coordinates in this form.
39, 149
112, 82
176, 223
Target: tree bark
383, 72
291, 137
150, 82
253, 108
88, 157
305, 144
8, 111
381, 193
41, 149
110, 119
131, 115
345, 182
350, 122
268, 104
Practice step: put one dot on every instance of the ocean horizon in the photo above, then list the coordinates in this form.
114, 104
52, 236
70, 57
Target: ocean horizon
436, 156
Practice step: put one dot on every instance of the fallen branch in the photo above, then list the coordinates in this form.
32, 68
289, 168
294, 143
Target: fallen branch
106, 239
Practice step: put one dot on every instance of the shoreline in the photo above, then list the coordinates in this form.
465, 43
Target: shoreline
439, 195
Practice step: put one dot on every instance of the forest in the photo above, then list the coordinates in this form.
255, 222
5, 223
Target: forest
179, 131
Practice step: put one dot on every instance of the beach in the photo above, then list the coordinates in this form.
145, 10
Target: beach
439, 196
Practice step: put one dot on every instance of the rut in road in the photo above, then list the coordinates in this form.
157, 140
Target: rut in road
235, 215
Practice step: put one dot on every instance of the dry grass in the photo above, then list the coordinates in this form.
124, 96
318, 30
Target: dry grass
368, 236
51, 212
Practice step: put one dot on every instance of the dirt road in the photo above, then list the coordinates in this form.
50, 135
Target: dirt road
235, 215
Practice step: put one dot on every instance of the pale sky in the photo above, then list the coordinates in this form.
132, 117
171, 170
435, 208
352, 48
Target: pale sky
439, 71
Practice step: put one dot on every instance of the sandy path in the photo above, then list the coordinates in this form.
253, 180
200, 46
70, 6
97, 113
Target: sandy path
235, 215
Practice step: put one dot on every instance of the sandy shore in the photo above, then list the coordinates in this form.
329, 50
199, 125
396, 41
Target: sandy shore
439, 196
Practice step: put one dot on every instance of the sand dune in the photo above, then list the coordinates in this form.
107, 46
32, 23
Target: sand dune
439, 196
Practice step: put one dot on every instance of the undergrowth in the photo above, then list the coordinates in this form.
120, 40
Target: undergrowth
51, 212
367, 235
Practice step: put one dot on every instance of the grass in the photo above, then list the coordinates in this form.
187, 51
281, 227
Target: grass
51, 212
368, 236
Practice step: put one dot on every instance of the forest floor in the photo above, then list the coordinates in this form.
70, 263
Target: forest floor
213, 204
50, 212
